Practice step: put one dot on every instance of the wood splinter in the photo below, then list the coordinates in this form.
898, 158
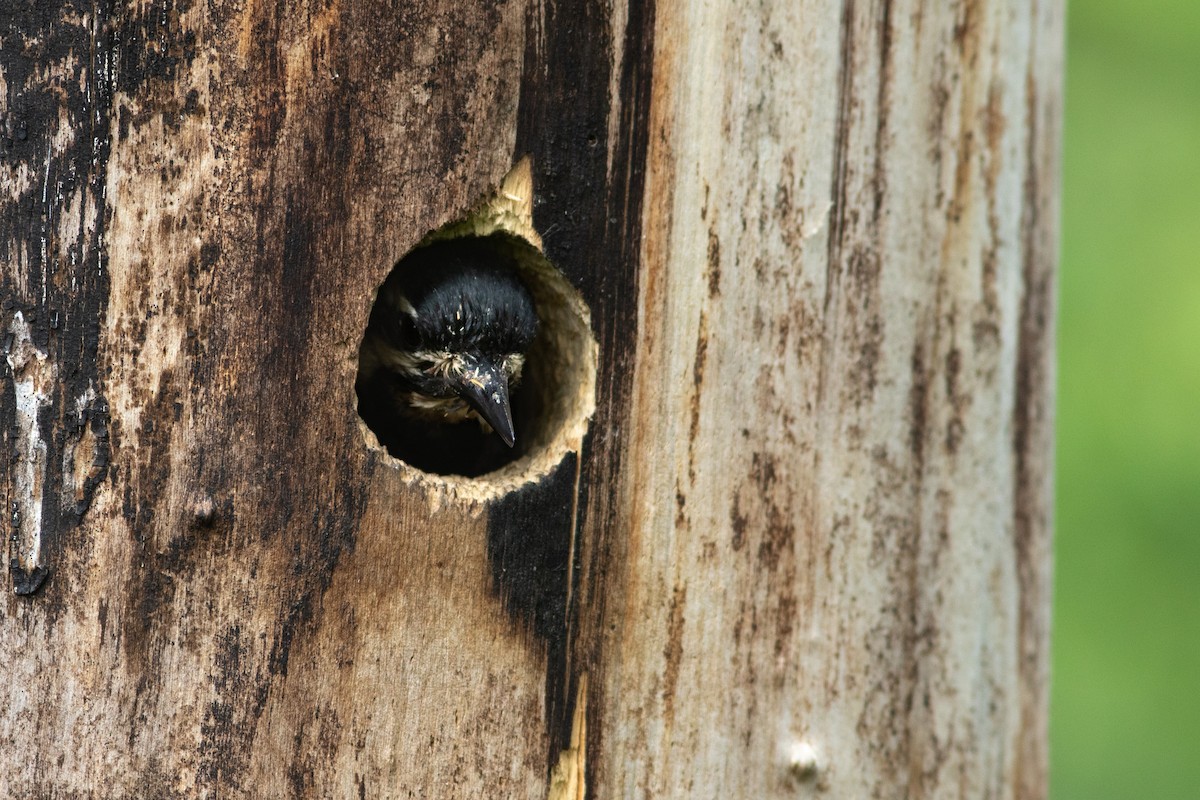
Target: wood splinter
567, 779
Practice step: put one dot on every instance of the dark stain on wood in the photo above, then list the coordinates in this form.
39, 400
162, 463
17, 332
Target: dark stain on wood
918, 402
778, 534
739, 522
883, 106
713, 272
1032, 417
986, 329
58, 67
839, 212
673, 653
699, 361
955, 426
854, 275
152, 46
591, 224
529, 542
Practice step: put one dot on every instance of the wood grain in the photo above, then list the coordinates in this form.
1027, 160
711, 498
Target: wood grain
810, 521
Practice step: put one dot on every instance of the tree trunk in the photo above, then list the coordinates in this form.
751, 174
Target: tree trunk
803, 542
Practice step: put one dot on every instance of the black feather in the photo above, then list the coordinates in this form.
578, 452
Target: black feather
467, 296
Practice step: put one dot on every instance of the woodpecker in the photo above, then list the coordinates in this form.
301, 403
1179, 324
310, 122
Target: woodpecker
445, 344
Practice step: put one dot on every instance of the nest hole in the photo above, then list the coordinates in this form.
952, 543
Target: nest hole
551, 404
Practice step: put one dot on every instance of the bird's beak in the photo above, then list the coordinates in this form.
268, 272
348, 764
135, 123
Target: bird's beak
485, 387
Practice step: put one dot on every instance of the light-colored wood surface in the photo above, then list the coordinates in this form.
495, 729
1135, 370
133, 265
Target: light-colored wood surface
839, 480
804, 547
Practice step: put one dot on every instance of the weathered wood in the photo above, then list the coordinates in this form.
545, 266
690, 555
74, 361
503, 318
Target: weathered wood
805, 543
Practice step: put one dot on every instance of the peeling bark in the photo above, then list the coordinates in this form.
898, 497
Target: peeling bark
805, 543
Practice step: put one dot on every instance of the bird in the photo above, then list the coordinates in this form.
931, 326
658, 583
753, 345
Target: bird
445, 346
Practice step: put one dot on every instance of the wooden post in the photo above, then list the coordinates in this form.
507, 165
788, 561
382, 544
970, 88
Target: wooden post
804, 543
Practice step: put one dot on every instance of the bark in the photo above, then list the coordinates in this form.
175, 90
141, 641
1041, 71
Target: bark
805, 542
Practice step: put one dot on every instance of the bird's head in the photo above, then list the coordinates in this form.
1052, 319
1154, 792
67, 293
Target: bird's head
458, 323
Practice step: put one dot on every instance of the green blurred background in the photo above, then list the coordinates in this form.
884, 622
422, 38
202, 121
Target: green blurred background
1125, 707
